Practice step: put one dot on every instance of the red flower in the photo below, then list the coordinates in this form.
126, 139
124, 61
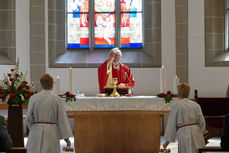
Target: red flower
20, 88
6, 82
10, 91
9, 75
12, 70
1, 87
168, 92
36, 92
11, 85
67, 94
163, 95
13, 95
11, 79
0, 90
27, 87
25, 82
72, 96
29, 94
3, 96
17, 75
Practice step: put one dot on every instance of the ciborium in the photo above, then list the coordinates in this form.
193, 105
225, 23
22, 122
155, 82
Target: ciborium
115, 93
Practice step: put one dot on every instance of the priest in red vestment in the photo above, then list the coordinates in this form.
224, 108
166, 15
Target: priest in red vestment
113, 68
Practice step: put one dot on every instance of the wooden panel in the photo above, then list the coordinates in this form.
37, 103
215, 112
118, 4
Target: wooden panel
5, 106
117, 132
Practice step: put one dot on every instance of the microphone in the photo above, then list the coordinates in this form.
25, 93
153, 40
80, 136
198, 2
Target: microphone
130, 83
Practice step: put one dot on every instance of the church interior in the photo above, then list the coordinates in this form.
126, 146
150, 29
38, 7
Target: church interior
180, 41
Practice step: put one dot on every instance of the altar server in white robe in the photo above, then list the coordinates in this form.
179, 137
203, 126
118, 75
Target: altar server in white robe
186, 122
46, 120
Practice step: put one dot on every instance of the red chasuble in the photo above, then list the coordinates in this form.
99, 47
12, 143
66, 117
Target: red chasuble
116, 73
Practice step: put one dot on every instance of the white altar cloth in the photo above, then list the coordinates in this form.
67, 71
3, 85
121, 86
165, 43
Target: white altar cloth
118, 103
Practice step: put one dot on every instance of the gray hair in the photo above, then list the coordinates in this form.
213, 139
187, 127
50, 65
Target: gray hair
116, 50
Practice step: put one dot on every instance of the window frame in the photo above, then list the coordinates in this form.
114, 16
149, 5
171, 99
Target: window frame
149, 56
227, 26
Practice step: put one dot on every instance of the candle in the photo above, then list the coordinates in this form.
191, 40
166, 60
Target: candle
163, 79
70, 79
176, 82
57, 85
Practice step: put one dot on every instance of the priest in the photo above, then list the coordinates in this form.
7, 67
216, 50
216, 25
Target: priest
113, 68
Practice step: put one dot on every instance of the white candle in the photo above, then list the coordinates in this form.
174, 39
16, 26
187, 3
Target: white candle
57, 85
70, 79
163, 79
176, 82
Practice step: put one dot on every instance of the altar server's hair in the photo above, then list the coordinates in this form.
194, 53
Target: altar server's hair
46, 81
183, 90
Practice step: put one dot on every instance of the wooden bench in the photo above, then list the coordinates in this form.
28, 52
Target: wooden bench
211, 149
214, 109
17, 150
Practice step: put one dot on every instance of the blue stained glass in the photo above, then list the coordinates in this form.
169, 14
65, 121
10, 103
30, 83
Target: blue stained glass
132, 45
133, 14
77, 46
76, 15
104, 46
133, 10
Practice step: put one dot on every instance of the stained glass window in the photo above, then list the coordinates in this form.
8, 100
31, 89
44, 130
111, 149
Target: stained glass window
104, 5
78, 24
110, 21
131, 23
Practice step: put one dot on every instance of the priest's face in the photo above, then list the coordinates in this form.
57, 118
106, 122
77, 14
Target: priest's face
117, 58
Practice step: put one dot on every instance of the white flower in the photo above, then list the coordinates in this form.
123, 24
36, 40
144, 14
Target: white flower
7, 98
2, 84
22, 97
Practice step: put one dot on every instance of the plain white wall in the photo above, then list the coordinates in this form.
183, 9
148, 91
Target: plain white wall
210, 81
22, 38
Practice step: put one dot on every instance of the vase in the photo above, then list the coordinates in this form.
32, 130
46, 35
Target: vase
15, 128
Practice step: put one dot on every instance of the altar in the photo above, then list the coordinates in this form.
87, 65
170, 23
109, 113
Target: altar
117, 125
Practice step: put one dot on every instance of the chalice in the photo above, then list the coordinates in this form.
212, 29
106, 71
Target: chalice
115, 93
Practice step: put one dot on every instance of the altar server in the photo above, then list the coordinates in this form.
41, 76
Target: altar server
186, 122
46, 120
113, 68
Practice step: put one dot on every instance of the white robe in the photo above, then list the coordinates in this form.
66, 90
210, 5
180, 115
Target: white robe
189, 138
44, 138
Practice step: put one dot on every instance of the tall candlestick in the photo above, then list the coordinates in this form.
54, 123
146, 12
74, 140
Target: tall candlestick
57, 85
176, 82
70, 79
163, 79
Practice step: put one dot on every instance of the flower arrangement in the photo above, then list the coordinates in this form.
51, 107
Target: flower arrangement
14, 89
167, 96
70, 97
